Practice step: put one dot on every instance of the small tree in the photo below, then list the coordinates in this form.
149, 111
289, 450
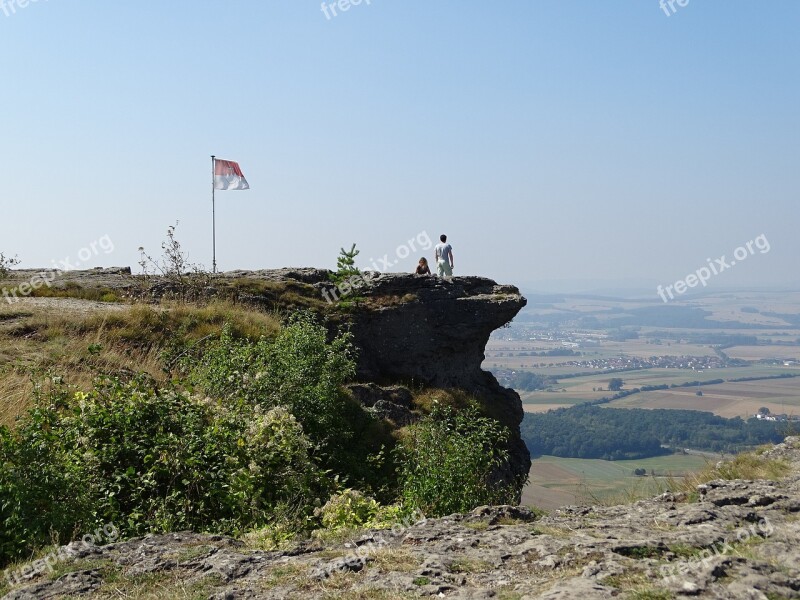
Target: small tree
6, 263
346, 265
347, 276
174, 266
615, 384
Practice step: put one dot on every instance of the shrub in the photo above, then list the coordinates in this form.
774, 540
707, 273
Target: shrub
149, 459
302, 371
348, 509
43, 496
449, 459
6, 262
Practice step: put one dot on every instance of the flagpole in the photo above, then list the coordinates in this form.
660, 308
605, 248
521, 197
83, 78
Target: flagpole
213, 216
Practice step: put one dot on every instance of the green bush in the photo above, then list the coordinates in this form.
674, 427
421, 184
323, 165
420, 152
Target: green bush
348, 509
301, 370
449, 460
43, 496
149, 459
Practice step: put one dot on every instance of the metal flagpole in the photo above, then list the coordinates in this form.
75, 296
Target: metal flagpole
213, 216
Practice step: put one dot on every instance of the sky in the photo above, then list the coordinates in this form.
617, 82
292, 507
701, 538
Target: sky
553, 141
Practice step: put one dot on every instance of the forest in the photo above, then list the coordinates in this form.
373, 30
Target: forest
632, 433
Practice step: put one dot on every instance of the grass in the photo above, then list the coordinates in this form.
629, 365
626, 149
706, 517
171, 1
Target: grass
748, 466
555, 532
169, 585
455, 398
469, 565
607, 483
288, 574
369, 594
399, 560
80, 344
636, 586
477, 525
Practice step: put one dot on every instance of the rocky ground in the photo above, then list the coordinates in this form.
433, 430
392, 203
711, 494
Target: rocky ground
729, 539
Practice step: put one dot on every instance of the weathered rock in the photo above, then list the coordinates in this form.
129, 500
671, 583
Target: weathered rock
719, 548
393, 403
433, 332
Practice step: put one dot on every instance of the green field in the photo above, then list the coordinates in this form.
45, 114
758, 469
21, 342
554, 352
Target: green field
556, 481
581, 389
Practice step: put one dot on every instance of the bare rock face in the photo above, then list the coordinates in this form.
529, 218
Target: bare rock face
429, 330
432, 332
731, 540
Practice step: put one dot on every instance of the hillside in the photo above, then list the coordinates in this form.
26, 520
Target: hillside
423, 334
726, 539
247, 404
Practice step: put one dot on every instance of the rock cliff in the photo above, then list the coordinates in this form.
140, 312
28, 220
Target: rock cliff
412, 332
727, 540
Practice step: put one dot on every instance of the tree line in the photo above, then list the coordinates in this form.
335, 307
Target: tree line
616, 433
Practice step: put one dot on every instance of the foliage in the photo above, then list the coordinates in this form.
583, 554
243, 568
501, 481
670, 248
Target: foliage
615, 384
6, 262
347, 277
42, 493
449, 460
298, 369
304, 372
149, 459
524, 380
348, 509
616, 434
346, 265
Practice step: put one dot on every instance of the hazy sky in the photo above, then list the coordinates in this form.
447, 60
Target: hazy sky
550, 140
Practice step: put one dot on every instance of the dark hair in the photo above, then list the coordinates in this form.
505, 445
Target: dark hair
443, 238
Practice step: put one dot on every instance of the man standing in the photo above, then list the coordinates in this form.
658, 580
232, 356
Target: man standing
444, 257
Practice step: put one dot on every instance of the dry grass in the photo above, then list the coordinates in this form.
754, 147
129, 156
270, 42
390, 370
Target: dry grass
15, 394
748, 466
458, 399
396, 560
79, 343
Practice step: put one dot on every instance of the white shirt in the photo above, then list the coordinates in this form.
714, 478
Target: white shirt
444, 252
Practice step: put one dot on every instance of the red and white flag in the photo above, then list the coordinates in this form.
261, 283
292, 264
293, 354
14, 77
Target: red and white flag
228, 176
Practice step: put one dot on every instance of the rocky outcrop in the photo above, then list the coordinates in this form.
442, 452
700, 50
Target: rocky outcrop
411, 331
729, 540
432, 332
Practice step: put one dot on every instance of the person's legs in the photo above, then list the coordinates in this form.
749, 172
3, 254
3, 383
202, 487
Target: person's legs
444, 269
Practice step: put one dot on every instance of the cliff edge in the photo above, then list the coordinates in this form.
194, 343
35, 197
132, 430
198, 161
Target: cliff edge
413, 333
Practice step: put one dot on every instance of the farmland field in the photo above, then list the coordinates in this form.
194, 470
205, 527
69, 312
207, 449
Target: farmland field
727, 400
762, 352
556, 481
740, 399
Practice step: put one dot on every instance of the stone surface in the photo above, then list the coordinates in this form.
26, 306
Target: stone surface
717, 548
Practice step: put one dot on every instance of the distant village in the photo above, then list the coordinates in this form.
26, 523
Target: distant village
764, 414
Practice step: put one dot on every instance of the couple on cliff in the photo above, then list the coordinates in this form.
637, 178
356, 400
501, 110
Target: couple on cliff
443, 255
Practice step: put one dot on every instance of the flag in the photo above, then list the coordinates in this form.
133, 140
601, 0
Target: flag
228, 176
